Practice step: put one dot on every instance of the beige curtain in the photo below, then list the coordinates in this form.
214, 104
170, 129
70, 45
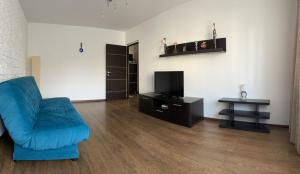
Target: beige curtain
295, 107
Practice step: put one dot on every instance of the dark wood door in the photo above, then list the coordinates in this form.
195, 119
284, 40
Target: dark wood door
116, 72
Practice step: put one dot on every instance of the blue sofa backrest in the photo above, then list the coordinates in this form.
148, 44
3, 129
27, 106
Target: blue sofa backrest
19, 104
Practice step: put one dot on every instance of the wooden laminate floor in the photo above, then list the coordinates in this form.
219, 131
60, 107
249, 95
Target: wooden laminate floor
126, 141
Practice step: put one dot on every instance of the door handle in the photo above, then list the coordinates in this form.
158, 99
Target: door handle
157, 110
108, 73
178, 105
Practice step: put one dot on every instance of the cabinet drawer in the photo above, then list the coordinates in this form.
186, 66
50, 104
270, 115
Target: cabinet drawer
145, 104
176, 107
159, 113
178, 113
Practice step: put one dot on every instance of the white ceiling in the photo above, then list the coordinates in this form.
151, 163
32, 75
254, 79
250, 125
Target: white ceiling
95, 13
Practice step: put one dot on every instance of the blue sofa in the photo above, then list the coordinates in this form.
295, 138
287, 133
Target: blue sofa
42, 129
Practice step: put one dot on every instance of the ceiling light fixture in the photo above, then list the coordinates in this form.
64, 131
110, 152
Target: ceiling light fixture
116, 3
112, 4
108, 2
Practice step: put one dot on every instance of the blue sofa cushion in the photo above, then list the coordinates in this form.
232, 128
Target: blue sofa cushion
67, 152
58, 125
28, 95
19, 105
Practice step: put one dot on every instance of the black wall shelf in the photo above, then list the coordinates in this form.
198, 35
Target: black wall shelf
191, 48
249, 114
240, 125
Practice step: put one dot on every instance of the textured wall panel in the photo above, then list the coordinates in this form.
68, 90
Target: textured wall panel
13, 41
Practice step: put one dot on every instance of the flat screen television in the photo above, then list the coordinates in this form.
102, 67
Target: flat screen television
169, 83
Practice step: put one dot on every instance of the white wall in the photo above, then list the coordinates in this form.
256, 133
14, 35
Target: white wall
65, 71
260, 50
13, 40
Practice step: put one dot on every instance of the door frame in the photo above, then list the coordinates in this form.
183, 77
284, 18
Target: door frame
138, 65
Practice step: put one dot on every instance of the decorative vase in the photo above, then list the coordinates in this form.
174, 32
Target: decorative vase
164, 46
214, 35
243, 93
184, 48
175, 47
196, 46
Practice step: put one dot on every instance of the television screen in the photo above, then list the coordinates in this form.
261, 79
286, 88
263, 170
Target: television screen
169, 83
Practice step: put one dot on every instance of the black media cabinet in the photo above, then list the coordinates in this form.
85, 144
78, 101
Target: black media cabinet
184, 111
256, 114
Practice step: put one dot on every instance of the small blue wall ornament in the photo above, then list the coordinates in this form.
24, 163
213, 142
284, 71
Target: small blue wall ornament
81, 49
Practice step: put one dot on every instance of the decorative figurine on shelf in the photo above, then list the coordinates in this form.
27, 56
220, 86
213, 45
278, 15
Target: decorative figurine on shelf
184, 48
81, 48
203, 45
214, 35
196, 46
165, 46
243, 92
175, 47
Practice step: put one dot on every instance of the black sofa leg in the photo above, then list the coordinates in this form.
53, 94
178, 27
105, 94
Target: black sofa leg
74, 159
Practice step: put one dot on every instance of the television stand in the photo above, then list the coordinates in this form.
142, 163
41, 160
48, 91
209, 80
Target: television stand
185, 111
